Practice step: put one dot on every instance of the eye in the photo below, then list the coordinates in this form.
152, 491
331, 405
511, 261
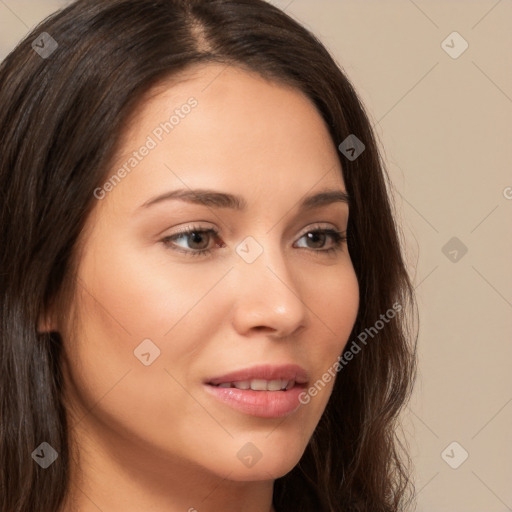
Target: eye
198, 241
319, 236
197, 238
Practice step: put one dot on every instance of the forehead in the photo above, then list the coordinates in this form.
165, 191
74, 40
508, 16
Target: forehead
243, 133
231, 102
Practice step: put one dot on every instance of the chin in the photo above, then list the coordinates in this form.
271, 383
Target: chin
268, 462
261, 471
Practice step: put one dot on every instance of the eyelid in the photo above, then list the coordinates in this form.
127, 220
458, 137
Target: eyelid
339, 237
194, 227
319, 225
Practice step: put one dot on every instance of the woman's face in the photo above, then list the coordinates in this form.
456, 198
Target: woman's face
162, 313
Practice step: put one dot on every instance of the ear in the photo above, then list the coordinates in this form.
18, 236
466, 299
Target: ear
46, 322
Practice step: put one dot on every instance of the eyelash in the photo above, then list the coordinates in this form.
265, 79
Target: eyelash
338, 238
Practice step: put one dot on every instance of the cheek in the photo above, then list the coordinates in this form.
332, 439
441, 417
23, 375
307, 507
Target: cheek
335, 304
334, 301
131, 306
121, 309
141, 294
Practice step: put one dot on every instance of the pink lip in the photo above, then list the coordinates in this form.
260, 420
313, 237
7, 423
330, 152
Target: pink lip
266, 372
264, 404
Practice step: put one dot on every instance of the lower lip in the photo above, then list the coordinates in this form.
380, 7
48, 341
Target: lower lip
265, 404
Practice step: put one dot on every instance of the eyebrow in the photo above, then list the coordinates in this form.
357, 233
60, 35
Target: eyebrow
216, 199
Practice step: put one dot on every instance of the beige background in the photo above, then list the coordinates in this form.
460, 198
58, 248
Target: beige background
445, 125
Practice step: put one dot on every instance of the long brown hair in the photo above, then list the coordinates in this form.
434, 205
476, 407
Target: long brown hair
61, 115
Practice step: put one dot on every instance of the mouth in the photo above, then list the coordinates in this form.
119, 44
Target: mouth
264, 391
263, 378
259, 384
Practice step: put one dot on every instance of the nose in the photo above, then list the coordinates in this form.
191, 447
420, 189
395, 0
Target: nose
267, 296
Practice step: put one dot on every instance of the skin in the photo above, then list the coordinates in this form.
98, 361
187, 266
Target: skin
149, 437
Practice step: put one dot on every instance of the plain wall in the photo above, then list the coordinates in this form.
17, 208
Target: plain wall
445, 127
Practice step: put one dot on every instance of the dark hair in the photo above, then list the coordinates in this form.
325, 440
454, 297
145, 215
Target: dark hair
61, 118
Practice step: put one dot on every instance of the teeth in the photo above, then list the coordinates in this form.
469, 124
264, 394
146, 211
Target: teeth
243, 384
275, 385
260, 385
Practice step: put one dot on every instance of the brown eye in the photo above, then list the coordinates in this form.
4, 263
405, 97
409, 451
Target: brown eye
197, 241
317, 238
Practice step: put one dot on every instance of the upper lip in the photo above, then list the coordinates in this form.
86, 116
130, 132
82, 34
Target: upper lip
266, 372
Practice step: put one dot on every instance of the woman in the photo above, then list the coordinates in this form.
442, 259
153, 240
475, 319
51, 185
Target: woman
204, 295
